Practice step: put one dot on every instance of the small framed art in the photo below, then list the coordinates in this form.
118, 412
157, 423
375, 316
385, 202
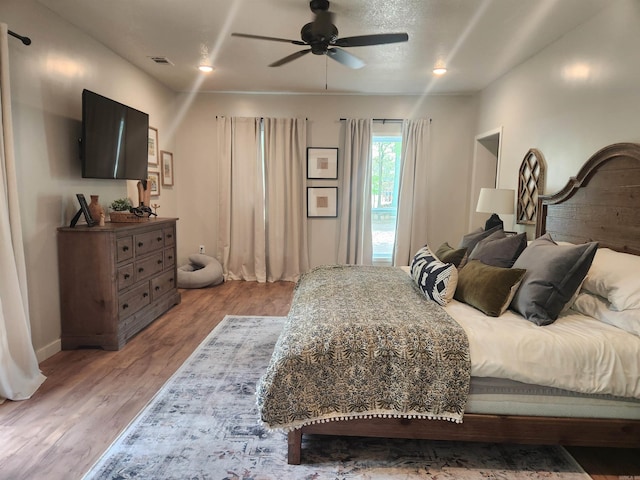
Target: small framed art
166, 168
154, 178
322, 202
153, 146
322, 163
84, 210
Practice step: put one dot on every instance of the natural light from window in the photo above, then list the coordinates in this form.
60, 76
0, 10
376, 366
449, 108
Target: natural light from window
385, 177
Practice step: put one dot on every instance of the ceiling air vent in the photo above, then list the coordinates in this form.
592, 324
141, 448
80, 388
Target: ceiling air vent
161, 60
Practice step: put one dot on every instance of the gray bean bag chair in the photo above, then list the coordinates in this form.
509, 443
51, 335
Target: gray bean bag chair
201, 271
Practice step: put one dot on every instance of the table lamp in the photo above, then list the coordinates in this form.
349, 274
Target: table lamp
495, 201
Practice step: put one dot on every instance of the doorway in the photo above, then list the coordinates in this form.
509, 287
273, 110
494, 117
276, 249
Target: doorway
485, 172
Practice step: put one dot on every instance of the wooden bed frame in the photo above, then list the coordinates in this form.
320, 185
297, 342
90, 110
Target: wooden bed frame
601, 203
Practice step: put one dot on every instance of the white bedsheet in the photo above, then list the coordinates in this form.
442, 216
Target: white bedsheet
576, 352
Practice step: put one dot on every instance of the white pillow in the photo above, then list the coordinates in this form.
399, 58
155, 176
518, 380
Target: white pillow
616, 277
598, 308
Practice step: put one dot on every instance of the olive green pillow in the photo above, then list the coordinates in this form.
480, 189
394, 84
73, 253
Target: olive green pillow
488, 288
447, 254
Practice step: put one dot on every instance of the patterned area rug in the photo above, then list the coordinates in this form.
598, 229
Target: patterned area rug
203, 424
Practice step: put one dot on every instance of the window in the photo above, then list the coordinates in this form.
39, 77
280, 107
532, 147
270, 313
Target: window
386, 151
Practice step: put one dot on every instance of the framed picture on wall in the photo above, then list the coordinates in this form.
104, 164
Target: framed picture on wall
153, 146
154, 178
166, 168
322, 202
322, 163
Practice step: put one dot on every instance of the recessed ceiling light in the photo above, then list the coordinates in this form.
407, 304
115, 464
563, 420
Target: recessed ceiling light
439, 71
205, 62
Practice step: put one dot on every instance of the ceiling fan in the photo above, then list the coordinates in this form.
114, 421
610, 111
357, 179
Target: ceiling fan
321, 36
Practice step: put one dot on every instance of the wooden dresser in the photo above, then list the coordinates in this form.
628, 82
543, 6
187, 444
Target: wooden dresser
115, 280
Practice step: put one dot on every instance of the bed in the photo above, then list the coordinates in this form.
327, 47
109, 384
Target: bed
453, 382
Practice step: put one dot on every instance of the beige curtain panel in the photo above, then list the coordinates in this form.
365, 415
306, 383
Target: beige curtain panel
20, 376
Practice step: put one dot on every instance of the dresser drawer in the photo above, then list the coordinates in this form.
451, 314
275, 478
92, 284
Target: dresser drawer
132, 301
148, 242
162, 284
148, 266
169, 257
125, 276
124, 249
169, 236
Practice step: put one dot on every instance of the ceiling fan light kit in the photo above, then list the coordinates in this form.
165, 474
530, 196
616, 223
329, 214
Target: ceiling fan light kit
321, 38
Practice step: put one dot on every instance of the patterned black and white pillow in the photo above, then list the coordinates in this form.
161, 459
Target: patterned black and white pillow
437, 280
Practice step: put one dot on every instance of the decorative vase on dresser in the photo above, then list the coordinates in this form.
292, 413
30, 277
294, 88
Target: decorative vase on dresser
95, 209
114, 281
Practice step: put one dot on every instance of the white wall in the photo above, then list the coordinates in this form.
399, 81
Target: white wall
452, 139
47, 79
578, 95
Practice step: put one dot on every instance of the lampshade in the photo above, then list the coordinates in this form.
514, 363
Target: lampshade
496, 200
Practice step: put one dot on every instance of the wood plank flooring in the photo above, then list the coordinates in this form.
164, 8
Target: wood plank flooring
91, 395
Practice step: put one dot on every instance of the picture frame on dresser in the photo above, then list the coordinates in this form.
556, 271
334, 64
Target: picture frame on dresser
84, 210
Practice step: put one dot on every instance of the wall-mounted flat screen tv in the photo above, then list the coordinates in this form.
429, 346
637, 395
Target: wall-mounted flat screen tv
115, 138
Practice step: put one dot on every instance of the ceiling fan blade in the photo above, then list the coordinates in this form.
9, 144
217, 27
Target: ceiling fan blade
345, 58
273, 39
376, 39
290, 58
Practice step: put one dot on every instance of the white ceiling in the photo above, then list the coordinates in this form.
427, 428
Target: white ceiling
479, 40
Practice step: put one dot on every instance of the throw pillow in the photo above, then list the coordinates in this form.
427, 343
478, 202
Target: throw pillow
435, 279
554, 273
487, 288
447, 254
470, 240
499, 252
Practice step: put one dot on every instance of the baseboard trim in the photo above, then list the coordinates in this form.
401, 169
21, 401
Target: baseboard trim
48, 350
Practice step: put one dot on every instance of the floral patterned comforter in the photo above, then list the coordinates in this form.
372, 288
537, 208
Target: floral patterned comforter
361, 342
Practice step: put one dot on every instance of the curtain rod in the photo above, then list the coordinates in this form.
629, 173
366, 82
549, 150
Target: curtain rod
25, 40
261, 118
385, 120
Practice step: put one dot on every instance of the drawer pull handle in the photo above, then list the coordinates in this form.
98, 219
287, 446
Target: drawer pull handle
145, 294
170, 257
140, 270
159, 239
125, 306
171, 280
159, 262
169, 235
126, 276
157, 288
140, 244
125, 248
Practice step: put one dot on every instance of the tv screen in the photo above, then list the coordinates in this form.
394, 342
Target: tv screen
114, 140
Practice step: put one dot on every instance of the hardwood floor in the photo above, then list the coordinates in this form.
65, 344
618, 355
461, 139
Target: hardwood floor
91, 395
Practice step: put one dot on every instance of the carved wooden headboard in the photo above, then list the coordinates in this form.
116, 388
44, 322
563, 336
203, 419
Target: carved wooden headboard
601, 203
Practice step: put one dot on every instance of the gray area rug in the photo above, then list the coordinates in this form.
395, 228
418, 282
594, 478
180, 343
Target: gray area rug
203, 424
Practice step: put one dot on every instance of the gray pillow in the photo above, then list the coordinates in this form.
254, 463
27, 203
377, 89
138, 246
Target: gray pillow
470, 240
500, 252
554, 273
